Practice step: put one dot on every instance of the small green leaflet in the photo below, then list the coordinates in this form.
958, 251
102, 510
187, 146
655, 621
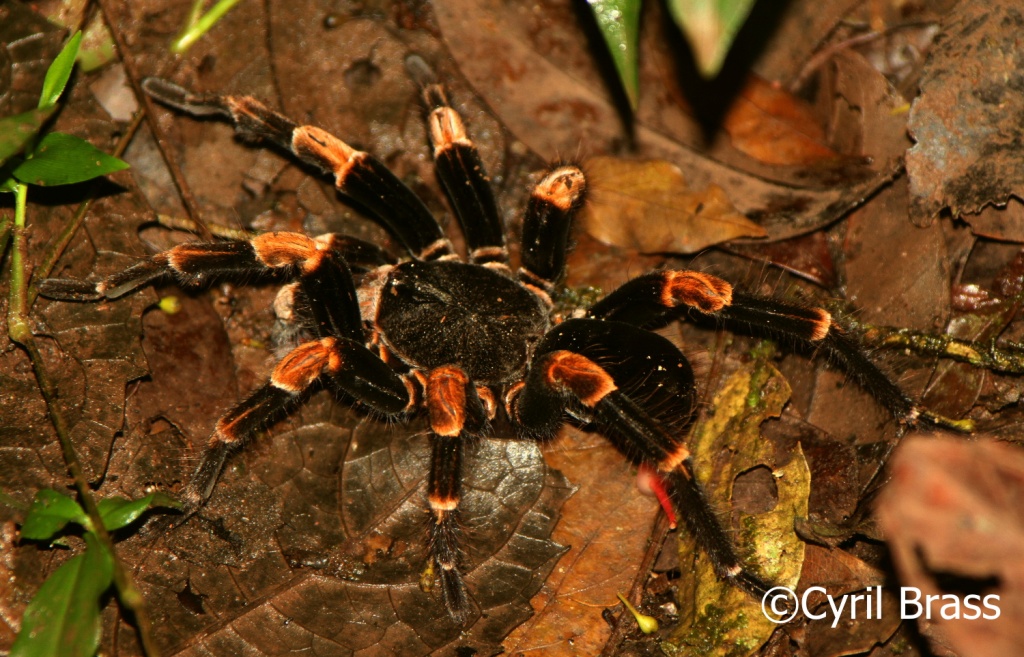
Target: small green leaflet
17, 131
50, 512
118, 512
59, 73
63, 619
57, 159
62, 159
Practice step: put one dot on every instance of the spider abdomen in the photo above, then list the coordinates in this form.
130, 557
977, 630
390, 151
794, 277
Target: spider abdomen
451, 313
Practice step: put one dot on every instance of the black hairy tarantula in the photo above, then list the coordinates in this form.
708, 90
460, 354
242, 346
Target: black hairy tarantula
467, 339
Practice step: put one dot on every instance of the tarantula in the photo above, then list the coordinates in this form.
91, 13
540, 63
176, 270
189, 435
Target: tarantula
466, 339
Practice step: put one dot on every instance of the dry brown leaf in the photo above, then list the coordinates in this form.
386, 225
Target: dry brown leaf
606, 524
841, 573
1000, 223
648, 206
510, 50
770, 124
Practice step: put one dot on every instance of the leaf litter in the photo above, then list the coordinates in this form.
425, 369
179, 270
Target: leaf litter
331, 549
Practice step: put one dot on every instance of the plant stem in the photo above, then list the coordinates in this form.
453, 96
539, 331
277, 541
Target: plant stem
1007, 357
20, 332
17, 323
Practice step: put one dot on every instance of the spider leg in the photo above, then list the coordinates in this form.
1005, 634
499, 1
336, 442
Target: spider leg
465, 180
637, 390
347, 365
339, 354
549, 214
656, 297
456, 415
195, 262
357, 174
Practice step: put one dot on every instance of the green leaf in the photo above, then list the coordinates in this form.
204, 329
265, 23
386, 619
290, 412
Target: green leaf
63, 619
619, 22
710, 26
59, 72
61, 159
17, 131
50, 511
117, 512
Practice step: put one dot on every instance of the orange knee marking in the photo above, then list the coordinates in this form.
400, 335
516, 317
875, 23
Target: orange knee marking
224, 430
563, 188
704, 292
283, 249
588, 380
329, 151
446, 128
822, 326
673, 460
441, 504
490, 405
179, 257
446, 400
304, 364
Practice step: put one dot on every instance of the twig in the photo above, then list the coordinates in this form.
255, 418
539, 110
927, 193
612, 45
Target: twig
218, 230
1007, 358
158, 133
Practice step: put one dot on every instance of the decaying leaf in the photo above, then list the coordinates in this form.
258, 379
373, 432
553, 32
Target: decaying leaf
770, 124
953, 519
967, 119
648, 206
719, 618
841, 573
1000, 223
606, 524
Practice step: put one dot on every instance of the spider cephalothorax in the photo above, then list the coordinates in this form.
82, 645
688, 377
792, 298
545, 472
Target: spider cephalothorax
438, 313
465, 341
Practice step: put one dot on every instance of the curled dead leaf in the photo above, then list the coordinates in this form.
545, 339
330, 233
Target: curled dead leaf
648, 206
